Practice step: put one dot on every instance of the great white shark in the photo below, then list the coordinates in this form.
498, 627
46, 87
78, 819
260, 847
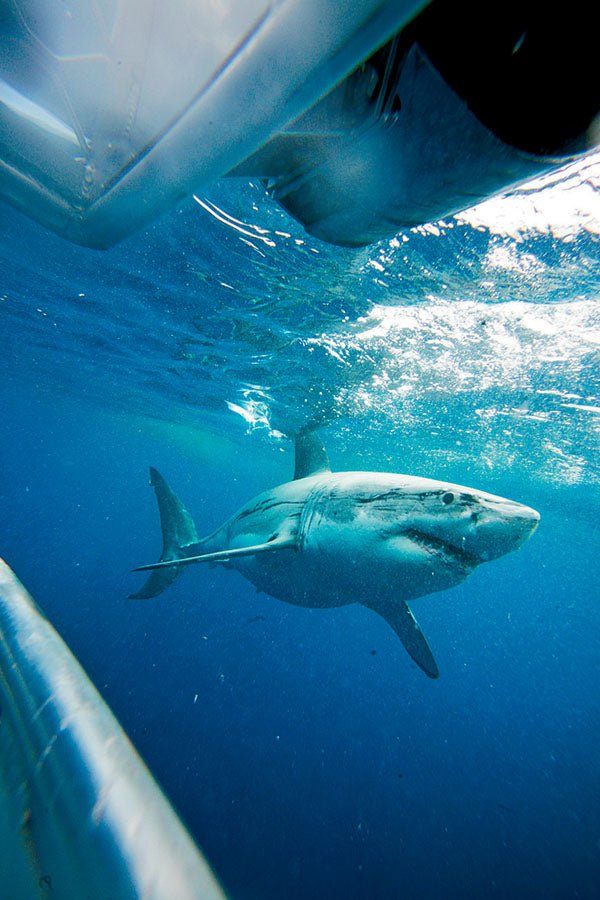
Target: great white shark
329, 539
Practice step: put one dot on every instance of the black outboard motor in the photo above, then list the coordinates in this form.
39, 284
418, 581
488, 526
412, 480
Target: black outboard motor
466, 101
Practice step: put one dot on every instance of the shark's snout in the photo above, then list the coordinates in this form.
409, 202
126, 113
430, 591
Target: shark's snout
502, 527
530, 520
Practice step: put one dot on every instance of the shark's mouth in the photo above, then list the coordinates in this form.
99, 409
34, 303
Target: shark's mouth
443, 551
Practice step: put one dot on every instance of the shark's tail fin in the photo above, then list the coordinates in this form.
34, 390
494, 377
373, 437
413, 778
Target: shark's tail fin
178, 531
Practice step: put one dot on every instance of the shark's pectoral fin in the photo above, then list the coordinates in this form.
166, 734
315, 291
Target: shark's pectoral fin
224, 556
401, 619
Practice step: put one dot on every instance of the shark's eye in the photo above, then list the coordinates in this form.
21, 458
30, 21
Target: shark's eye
448, 498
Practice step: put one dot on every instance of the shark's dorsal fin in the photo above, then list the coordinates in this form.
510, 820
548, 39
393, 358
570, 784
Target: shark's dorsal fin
311, 456
399, 616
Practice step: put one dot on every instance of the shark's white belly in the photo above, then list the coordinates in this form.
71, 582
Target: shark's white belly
296, 578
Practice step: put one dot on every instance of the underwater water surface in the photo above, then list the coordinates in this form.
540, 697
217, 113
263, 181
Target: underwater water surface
304, 750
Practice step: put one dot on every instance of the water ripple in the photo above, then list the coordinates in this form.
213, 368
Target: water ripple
474, 338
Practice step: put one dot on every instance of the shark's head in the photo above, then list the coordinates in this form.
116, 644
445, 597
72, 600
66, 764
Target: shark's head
466, 526
420, 535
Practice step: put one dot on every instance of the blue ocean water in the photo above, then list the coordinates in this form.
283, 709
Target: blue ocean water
305, 751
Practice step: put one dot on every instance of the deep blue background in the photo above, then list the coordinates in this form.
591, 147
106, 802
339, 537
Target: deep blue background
304, 750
